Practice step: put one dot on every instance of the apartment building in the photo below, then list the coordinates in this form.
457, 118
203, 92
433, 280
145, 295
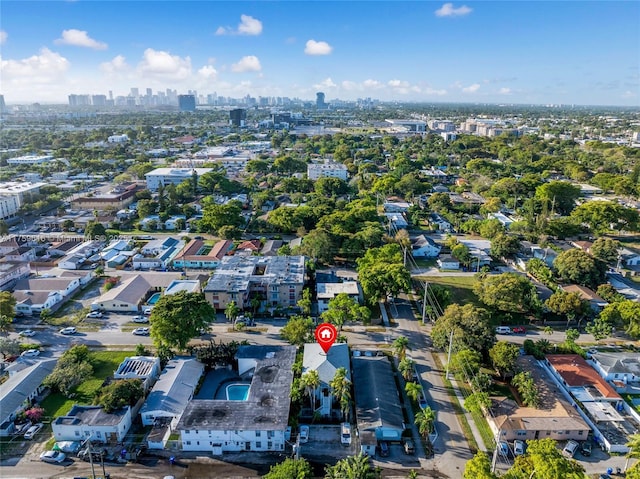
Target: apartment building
175, 176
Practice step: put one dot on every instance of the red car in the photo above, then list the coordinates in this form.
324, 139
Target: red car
519, 330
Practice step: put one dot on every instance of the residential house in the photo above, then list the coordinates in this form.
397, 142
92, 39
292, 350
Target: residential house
157, 256
35, 294
124, 297
595, 301
256, 423
554, 418
144, 368
326, 364
424, 247
325, 292
629, 257
504, 220
446, 261
397, 220
172, 391
196, 254
378, 412
277, 280
11, 272
18, 392
271, 247
248, 247
620, 369
84, 422
439, 223
396, 206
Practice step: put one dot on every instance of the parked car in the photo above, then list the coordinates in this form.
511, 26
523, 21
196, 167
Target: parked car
304, 433
94, 314
53, 457
519, 330
140, 319
384, 448
147, 311
518, 447
408, 446
503, 449
28, 333
503, 330
570, 449
141, 331
585, 448
33, 430
69, 330
30, 353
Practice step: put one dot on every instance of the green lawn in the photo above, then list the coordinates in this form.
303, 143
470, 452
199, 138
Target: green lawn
104, 365
461, 287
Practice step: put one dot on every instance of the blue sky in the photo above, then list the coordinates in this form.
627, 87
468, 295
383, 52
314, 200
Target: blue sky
575, 52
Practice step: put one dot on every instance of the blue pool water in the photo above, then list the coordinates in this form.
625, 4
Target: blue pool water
154, 299
237, 392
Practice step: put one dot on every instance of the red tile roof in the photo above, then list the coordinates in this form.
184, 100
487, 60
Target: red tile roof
576, 372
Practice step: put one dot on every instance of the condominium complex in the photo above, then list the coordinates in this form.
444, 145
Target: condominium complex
276, 281
175, 176
327, 169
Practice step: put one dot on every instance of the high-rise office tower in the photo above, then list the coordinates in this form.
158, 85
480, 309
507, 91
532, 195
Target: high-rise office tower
237, 117
187, 102
320, 104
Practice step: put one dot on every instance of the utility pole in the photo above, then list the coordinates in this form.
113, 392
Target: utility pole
449, 354
424, 302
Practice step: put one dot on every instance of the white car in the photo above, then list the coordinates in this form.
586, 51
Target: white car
570, 449
30, 353
54, 457
147, 311
141, 331
69, 330
518, 447
140, 319
33, 430
28, 333
94, 314
304, 434
345, 433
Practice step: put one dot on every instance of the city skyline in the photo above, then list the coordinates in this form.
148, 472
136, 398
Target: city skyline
489, 52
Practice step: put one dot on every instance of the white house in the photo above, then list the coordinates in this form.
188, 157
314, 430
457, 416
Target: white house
440, 223
424, 247
315, 359
256, 422
125, 297
173, 391
84, 422
617, 368
446, 261
397, 220
35, 294
144, 368
20, 389
71, 262
325, 292
327, 169
175, 176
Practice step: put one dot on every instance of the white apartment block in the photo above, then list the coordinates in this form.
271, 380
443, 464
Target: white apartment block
30, 160
19, 190
175, 176
118, 139
8, 207
327, 169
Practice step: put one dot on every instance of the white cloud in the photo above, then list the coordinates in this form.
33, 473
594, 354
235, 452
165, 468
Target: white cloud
208, 72
250, 63
37, 68
471, 88
505, 91
325, 84
247, 26
433, 91
317, 48
79, 38
159, 63
629, 94
448, 10
372, 84
116, 65
398, 84
3, 36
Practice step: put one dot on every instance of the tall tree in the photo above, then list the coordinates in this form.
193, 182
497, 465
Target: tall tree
470, 327
578, 267
341, 390
7, 304
510, 292
425, 420
177, 318
344, 308
479, 467
352, 467
503, 356
544, 460
560, 196
310, 381
406, 367
400, 346
382, 273
413, 390
605, 249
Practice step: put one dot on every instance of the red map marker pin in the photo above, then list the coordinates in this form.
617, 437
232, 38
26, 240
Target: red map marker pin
326, 335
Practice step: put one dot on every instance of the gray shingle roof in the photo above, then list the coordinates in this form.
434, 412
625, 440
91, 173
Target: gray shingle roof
22, 384
326, 364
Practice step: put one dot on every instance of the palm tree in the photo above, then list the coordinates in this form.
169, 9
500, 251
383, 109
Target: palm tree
425, 420
352, 467
341, 389
400, 346
406, 368
634, 451
413, 390
548, 330
310, 380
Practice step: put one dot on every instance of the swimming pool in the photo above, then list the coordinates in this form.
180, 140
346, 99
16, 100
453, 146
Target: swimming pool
237, 392
154, 299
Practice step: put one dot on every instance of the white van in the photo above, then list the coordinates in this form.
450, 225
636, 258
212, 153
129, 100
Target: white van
345, 433
503, 330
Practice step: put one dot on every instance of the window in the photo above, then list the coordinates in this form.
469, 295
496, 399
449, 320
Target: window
187, 431
77, 433
270, 433
548, 433
258, 433
188, 443
580, 433
258, 444
269, 445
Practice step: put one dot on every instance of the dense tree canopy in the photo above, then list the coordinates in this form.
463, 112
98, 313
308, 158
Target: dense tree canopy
576, 266
470, 326
511, 292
